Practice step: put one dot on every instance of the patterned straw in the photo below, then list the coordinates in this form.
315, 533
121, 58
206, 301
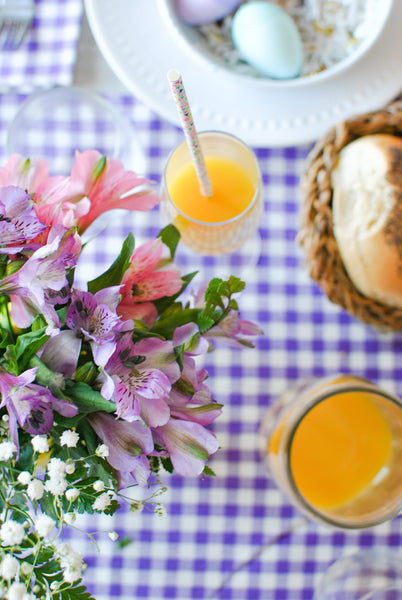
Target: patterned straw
183, 109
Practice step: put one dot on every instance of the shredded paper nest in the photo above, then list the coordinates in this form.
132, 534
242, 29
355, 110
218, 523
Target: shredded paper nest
316, 235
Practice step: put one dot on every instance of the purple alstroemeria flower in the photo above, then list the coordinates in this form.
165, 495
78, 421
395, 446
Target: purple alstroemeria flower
95, 317
140, 392
19, 222
30, 405
128, 444
232, 330
42, 274
189, 445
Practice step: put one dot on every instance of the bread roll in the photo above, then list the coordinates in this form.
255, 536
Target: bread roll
367, 214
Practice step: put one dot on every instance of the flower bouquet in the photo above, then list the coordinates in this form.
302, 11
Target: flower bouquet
99, 388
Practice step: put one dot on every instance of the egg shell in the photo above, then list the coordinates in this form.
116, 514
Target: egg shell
268, 39
199, 12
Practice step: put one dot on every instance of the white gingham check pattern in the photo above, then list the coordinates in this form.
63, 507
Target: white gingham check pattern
235, 536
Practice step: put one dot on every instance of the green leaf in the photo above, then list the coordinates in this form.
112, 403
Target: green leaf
167, 464
114, 274
170, 236
126, 541
87, 399
172, 319
209, 471
25, 348
76, 592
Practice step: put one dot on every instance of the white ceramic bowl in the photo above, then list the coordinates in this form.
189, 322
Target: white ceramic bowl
193, 42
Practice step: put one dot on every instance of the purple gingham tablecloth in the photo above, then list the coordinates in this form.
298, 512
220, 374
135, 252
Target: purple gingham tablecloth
47, 55
235, 536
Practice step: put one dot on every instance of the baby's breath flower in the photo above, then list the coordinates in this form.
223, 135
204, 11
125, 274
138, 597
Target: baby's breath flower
113, 535
69, 518
102, 502
56, 468
57, 487
70, 468
7, 449
71, 563
5, 418
35, 489
102, 451
12, 533
26, 568
44, 525
18, 591
160, 510
99, 486
9, 567
40, 444
72, 494
69, 438
24, 477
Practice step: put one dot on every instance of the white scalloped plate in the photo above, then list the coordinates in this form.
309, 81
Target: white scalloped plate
133, 37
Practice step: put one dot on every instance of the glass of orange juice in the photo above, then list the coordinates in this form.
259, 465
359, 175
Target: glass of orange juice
226, 221
334, 446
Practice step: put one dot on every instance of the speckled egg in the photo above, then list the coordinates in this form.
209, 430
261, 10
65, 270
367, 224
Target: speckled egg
267, 38
199, 12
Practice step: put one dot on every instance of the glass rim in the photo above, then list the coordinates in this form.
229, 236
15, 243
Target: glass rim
256, 192
89, 95
342, 522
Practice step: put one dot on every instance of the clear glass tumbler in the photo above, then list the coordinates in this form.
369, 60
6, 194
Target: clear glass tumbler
366, 575
224, 237
334, 446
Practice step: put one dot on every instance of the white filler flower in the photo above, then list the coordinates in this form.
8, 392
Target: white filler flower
40, 444
12, 533
7, 450
44, 525
69, 438
9, 567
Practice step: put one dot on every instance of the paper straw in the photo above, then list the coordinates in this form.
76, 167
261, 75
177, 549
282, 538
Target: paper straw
190, 133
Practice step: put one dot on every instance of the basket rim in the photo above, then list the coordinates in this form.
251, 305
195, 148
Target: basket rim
316, 236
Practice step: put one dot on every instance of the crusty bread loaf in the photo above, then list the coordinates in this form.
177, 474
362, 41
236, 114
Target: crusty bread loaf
367, 214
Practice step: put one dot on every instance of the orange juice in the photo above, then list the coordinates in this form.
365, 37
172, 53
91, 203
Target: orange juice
232, 190
222, 223
339, 448
335, 447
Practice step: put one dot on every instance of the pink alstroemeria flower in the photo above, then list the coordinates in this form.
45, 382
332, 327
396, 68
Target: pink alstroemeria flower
25, 173
40, 277
151, 275
139, 392
30, 405
18, 220
58, 200
108, 185
128, 444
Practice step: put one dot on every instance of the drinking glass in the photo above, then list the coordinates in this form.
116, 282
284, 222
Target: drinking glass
334, 446
365, 575
56, 122
234, 242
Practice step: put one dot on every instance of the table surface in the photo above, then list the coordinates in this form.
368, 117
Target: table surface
234, 536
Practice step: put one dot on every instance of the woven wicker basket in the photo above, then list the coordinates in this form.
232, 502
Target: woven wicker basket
316, 236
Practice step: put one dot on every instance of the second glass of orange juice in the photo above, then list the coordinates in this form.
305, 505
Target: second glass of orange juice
222, 223
334, 445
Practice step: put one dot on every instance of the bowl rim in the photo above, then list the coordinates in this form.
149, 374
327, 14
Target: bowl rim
166, 8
